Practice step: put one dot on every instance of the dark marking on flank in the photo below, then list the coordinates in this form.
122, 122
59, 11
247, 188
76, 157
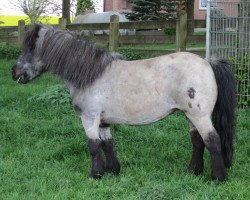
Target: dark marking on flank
191, 92
198, 105
189, 105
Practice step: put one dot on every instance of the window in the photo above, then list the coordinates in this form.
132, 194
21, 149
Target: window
203, 4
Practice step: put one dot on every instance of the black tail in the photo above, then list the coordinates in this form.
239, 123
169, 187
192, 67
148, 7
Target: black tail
224, 110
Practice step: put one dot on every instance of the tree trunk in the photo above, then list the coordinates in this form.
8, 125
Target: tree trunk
66, 10
190, 17
33, 18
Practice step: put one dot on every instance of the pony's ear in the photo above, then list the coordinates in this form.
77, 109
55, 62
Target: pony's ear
29, 42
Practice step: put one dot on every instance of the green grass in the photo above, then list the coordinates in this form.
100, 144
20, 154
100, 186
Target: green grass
199, 33
168, 46
43, 153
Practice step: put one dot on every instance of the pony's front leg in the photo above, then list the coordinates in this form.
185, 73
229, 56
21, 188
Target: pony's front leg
112, 163
91, 126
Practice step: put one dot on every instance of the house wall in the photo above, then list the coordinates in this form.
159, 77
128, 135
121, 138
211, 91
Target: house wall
229, 8
122, 5
198, 13
116, 5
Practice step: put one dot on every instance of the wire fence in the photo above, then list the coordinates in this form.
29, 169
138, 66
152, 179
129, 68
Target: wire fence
229, 38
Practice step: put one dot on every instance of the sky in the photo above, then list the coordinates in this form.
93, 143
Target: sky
8, 7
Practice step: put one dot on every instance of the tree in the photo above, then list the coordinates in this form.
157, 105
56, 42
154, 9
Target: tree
152, 10
84, 5
36, 8
190, 16
66, 10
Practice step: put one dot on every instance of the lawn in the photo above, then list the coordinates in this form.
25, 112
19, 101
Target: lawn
43, 153
167, 46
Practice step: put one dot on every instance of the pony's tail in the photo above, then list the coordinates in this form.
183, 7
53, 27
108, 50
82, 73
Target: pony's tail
224, 110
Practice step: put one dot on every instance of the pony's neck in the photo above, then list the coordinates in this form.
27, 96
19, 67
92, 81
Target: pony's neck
78, 62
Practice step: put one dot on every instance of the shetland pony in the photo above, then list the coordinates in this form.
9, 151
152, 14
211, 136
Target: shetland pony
105, 90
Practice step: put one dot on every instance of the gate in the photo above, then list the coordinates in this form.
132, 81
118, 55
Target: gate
228, 36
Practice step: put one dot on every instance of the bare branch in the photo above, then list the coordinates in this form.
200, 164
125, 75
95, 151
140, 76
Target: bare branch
37, 8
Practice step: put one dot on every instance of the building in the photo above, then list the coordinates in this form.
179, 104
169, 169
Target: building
116, 5
200, 9
124, 5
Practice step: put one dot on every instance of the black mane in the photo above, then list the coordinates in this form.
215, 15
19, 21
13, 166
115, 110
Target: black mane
29, 41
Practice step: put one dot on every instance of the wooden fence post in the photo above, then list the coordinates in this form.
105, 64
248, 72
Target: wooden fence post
181, 27
114, 33
62, 23
21, 31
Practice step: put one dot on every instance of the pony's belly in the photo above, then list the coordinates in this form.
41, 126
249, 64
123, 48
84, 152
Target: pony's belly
136, 115
135, 120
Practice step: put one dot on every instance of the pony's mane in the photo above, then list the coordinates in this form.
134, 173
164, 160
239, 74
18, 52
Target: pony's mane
76, 61
29, 41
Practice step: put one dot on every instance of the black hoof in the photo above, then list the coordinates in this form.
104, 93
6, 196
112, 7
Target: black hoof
113, 168
195, 169
219, 176
96, 175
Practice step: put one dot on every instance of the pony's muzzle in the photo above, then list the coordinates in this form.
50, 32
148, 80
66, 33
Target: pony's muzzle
18, 75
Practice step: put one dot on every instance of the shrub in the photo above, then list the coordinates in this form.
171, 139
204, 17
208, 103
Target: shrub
169, 31
132, 55
9, 51
242, 76
56, 94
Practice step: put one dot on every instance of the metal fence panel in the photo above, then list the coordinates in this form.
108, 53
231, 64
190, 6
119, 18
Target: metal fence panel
228, 29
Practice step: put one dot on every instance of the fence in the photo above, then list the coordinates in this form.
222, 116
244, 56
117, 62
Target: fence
229, 37
114, 34
9, 34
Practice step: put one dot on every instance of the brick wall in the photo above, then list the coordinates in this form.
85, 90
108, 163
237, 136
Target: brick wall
121, 5
116, 5
228, 6
198, 13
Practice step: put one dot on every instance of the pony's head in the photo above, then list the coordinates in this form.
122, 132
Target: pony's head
28, 66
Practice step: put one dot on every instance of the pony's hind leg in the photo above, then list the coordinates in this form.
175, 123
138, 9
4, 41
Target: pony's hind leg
196, 163
212, 142
91, 126
112, 163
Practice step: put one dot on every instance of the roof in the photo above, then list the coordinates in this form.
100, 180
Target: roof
103, 17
